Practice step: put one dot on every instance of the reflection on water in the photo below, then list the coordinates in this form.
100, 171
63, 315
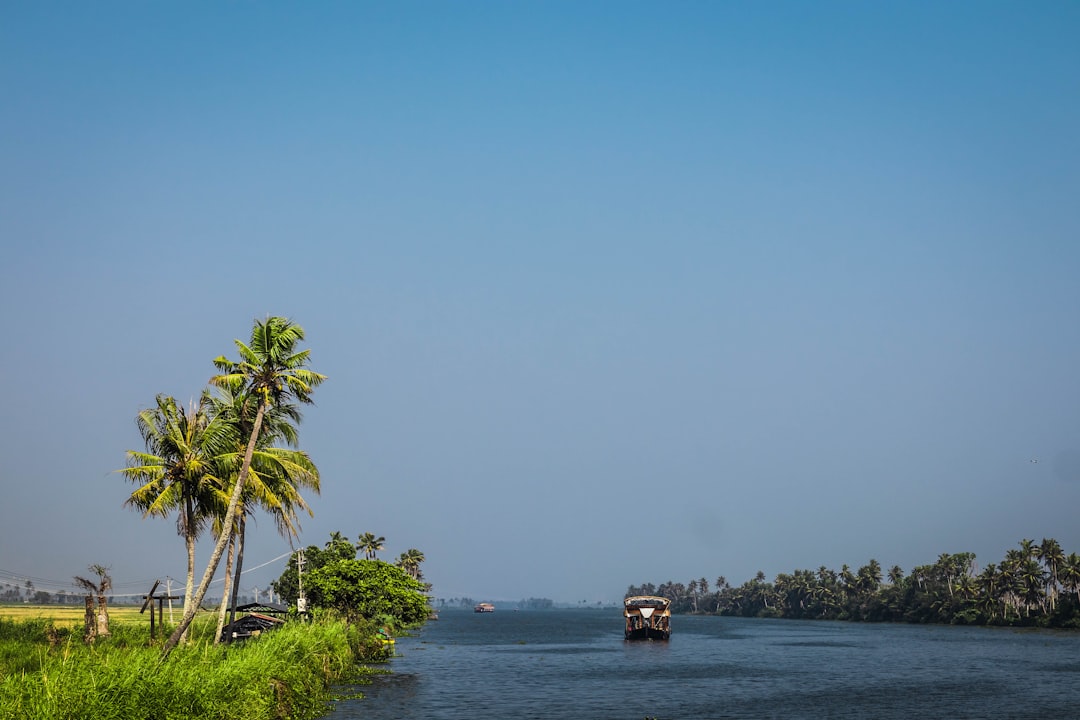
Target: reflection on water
575, 664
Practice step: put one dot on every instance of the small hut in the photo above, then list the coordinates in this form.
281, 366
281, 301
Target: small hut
260, 617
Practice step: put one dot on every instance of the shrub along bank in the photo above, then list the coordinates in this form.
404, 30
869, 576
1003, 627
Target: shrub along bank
48, 673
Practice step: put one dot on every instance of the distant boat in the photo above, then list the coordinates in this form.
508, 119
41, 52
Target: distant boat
648, 617
484, 608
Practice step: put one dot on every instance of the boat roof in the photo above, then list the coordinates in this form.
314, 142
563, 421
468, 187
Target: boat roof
646, 601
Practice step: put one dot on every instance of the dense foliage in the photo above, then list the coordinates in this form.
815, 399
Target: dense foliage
369, 589
335, 579
1036, 584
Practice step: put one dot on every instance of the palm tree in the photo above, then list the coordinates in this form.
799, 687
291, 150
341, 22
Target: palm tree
271, 370
868, 578
1052, 556
274, 482
1032, 582
1027, 548
1008, 582
178, 471
692, 590
1070, 574
989, 591
409, 561
369, 544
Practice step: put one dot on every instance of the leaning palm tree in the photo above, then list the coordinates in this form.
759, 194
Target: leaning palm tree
369, 544
274, 482
273, 371
178, 470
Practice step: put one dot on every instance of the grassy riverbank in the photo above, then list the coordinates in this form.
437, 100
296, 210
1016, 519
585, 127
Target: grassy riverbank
48, 673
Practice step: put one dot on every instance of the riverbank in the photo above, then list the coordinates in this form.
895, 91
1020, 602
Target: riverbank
48, 673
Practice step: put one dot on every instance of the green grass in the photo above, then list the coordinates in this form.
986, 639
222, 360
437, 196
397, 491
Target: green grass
48, 673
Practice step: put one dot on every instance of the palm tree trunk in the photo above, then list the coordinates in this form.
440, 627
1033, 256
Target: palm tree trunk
219, 547
241, 527
223, 607
189, 542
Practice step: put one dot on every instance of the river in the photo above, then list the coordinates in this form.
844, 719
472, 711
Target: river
575, 664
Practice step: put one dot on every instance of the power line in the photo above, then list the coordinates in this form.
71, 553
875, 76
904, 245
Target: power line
19, 579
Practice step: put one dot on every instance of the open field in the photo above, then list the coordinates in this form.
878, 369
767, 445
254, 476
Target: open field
73, 614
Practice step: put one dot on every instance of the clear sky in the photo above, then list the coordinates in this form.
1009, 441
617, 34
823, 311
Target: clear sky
607, 292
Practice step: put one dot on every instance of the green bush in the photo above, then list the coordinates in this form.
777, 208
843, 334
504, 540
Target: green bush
368, 589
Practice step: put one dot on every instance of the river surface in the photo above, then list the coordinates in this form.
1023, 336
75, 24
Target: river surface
575, 664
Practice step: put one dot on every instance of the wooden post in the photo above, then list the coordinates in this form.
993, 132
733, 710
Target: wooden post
148, 600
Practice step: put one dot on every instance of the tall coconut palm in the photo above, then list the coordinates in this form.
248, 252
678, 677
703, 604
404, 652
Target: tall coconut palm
369, 544
275, 479
272, 370
1052, 556
178, 470
1032, 581
409, 561
868, 578
274, 482
990, 591
1070, 574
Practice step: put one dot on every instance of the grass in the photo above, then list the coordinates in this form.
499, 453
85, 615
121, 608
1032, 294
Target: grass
48, 673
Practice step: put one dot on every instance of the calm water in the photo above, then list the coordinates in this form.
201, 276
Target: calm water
575, 664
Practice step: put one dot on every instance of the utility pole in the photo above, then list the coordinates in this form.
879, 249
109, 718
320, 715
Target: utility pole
256, 595
168, 592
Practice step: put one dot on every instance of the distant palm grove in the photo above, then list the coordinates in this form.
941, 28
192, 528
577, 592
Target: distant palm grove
1035, 584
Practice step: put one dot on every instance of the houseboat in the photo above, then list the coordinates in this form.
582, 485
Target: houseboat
484, 608
647, 617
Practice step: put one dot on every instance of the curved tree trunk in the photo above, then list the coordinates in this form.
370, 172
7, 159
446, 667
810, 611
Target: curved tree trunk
219, 547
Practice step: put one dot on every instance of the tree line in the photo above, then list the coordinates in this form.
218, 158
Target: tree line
1035, 584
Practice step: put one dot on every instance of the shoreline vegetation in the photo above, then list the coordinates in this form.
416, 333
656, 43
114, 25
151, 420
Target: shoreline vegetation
212, 466
1035, 585
48, 672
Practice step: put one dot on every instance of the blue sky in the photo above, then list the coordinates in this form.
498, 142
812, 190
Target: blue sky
607, 293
